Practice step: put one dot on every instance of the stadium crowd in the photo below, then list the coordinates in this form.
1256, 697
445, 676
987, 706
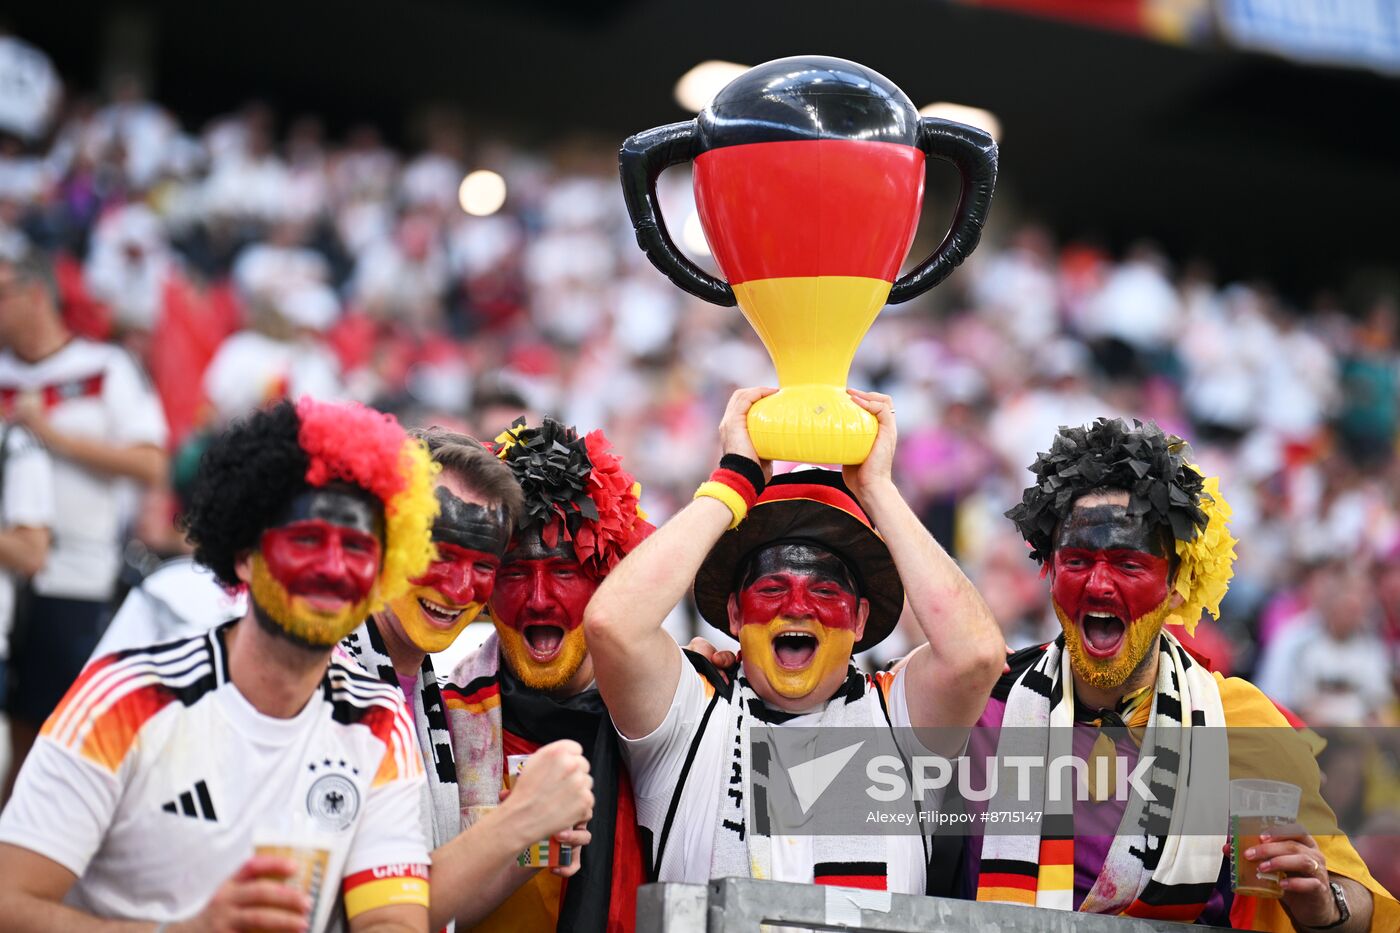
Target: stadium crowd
257, 257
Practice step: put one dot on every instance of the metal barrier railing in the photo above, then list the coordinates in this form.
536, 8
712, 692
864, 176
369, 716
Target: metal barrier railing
740, 905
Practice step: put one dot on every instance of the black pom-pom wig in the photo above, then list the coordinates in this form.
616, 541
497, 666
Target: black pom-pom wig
1143, 460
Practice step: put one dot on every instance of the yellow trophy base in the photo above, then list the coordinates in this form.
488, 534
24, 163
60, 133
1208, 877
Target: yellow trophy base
812, 423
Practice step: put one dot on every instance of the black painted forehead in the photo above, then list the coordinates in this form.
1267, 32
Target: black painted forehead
798, 557
1109, 527
338, 504
469, 525
529, 545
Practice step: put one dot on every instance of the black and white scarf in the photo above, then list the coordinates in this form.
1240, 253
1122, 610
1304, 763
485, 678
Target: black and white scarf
441, 812
1153, 868
743, 843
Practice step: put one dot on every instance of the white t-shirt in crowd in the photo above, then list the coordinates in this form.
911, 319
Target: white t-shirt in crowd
154, 778
178, 599
251, 369
26, 502
655, 762
96, 391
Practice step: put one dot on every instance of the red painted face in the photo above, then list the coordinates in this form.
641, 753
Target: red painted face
461, 574
537, 607
551, 591
798, 616
1120, 581
792, 594
324, 562
1110, 578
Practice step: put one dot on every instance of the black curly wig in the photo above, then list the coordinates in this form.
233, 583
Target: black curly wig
247, 477
1143, 460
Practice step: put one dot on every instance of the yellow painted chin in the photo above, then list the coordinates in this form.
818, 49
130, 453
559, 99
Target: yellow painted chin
542, 676
833, 653
420, 631
298, 618
1110, 673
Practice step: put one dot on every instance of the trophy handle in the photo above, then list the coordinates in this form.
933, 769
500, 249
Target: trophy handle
974, 153
642, 159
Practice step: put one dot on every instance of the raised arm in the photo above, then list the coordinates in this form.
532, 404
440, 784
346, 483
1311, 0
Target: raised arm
946, 684
635, 661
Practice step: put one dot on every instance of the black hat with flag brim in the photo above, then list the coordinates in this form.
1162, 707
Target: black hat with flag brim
813, 507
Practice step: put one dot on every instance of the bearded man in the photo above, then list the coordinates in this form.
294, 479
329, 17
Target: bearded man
794, 568
1133, 538
531, 682
173, 760
474, 870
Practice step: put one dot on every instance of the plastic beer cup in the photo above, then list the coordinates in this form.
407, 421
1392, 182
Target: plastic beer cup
313, 863
548, 853
1256, 807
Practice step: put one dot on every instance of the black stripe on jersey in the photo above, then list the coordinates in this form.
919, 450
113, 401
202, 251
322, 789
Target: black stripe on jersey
167, 652
170, 663
206, 803
353, 694
369, 693
862, 869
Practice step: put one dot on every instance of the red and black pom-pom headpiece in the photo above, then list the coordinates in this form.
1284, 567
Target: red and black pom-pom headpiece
575, 487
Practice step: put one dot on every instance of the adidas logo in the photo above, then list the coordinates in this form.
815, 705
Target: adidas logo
196, 803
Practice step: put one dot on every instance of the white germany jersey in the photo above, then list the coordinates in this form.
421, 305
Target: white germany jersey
153, 778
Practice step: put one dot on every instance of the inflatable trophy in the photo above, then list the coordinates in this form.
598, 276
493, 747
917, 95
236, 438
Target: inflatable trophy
809, 179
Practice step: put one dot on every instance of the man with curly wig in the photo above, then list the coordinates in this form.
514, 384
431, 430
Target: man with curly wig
531, 682
1134, 542
165, 771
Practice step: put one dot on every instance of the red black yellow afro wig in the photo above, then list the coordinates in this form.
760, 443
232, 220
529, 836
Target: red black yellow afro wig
252, 471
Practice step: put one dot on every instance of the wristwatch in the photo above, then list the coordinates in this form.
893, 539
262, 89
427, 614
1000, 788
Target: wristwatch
1340, 898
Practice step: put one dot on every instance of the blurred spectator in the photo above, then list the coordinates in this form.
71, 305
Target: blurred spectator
26, 520
94, 411
1370, 414
280, 356
1387, 584
32, 89
1333, 669
1133, 317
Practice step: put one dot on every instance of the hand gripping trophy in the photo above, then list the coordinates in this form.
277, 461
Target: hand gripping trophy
809, 179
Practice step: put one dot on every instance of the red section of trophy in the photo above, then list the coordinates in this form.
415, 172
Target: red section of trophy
823, 207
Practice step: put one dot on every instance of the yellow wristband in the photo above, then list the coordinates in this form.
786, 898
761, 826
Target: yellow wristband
736, 503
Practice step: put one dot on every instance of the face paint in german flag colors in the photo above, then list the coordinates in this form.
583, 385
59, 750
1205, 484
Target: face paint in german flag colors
798, 616
809, 192
314, 573
469, 539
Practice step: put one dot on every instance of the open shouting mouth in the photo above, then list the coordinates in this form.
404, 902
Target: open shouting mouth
543, 642
794, 649
795, 656
1103, 633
